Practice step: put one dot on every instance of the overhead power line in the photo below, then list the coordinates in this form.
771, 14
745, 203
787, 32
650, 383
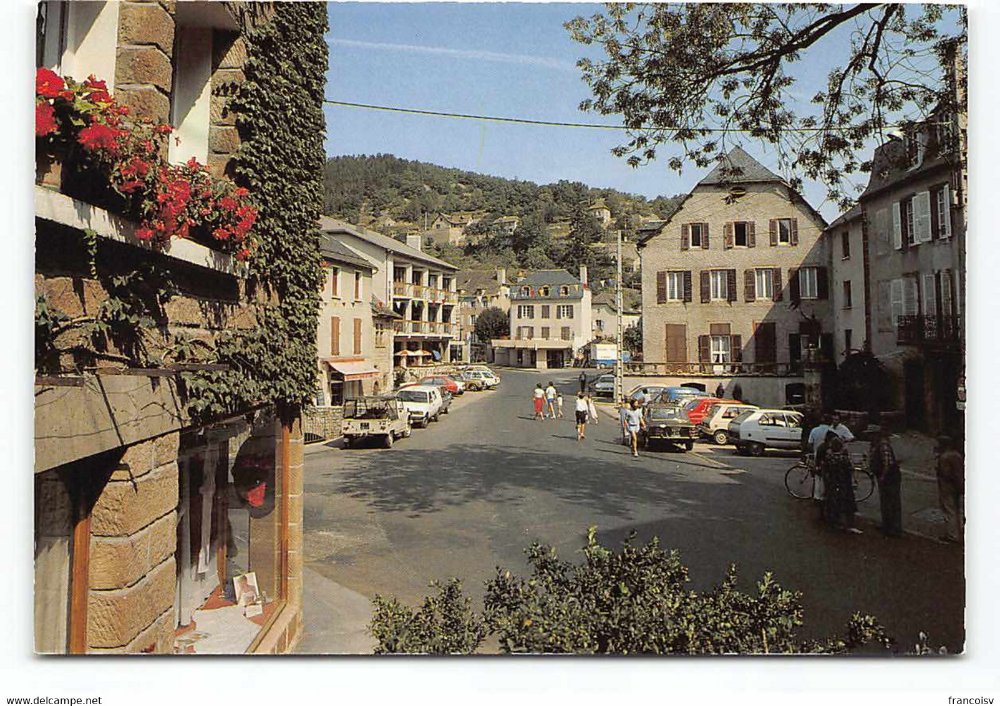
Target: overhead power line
544, 123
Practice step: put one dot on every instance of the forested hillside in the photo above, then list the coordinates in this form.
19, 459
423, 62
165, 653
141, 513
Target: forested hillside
363, 189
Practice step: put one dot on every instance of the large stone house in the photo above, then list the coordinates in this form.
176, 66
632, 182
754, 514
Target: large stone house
550, 322
915, 226
479, 290
417, 287
736, 280
154, 497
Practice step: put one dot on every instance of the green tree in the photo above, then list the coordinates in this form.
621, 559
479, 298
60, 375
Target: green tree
632, 339
492, 323
690, 73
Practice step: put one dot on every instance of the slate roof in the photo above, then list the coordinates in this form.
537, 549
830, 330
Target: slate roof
608, 299
738, 167
332, 249
332, 225
470, 281
889, 166
538, 278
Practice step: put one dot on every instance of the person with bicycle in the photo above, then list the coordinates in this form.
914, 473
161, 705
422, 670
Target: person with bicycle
839, 506
882, 463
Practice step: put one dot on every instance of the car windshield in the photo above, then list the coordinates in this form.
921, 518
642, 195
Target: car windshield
663, 413
743, 416
412, 395
712, 411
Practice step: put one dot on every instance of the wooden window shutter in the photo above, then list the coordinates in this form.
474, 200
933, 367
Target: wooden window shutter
794, 348
706, 288
676, 339
559, 308
334, 335
897, 226
822, 284
334, 280
661, 288
731, 285
946, 199
357, 337
778, 284
687, 286
749, 285
751, 234
736, 348
704, 349
685, 236
794, 235
935, 219
793, 286
772, 226
727, 235
765, 342
704, 236
719, 329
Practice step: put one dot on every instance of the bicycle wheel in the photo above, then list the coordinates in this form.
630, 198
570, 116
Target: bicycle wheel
799, 481
864, 484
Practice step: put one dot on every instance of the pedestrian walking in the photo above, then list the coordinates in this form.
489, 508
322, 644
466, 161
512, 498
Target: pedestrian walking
582, 410
720, 392
550, 399
583, 381
538, 399
951, 488
592, 409
883, 465
622, 408
633, 423
559, 405
839, 506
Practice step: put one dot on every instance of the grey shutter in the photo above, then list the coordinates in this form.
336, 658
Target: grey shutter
661, 289
736, 348
751, 234
731, 285
685, 236
727, 235
706, 288
772, 226
749, 285
687, 286
704, 236
704, 349
778, 284
794, 237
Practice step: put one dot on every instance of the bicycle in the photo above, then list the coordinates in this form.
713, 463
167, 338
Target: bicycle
800, 479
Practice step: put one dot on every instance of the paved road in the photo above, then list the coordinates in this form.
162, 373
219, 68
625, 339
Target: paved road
469, 493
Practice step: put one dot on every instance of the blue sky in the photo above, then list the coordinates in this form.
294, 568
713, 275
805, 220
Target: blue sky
504, 59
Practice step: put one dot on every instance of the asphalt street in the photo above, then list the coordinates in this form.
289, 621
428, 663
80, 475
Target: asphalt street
469, 493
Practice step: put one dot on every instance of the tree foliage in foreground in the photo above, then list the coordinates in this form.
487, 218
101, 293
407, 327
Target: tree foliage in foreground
676, 71
634, 601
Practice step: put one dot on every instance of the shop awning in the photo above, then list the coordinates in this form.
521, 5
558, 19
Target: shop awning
354, 370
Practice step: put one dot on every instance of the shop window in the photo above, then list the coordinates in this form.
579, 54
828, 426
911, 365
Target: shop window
230, 566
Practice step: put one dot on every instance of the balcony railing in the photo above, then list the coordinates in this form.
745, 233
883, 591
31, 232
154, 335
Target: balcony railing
927, 330
701, 369
433, 328
402, 289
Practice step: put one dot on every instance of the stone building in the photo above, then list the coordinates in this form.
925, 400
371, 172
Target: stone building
153, 514
550, 321
604, 314
915, 221
848, 284
479, 290
736, 280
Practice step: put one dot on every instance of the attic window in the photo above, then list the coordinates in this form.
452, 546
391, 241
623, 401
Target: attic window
737, 191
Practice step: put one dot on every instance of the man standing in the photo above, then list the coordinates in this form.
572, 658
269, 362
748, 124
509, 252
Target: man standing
951, 488
583, 381
720, 392
633, 423
882, 462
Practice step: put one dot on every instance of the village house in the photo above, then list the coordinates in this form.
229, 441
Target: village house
549, 321
600, 211
848, 287
915, 217
506, 225
156, 497
604, 315
417, 287
479, 290
736, 280
449, 228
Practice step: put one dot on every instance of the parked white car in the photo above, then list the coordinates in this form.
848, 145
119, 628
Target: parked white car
715, 425
487, 381
421, 402
756, 430
485, 370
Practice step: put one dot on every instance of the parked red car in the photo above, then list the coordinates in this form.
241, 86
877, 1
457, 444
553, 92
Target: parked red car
446, 381
697, 408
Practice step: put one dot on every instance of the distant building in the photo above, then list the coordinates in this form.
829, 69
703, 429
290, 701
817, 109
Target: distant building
848, 289
600, 211
604, 315
507, 225
550, 320
449, 228
479, 290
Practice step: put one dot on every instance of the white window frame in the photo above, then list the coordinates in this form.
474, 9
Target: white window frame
746, 234
763, 283
192, 94
525, 311
721, 348
787, 238
809, 283
718, 285
675, 286
564, 311
896, 305
695, 232
944, 211
908, 215
928, 295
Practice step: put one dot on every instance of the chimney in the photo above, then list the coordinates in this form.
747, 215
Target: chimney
501, 275
583, 275
414, 240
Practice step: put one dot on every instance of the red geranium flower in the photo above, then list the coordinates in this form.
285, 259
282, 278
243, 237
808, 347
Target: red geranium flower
48, 83
45, 119
242, 254
163, 129
99, 137
144, 233
228, 203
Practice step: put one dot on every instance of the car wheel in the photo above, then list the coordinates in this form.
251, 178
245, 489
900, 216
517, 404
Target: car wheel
406, 433
689, 446
388, 440
721, 437
756, 449
741, 449
347, 442
445, 410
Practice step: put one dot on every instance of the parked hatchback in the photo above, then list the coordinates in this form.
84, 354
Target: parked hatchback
697, 407
715, 425
762, 429
455, 387
421, 402
604, 386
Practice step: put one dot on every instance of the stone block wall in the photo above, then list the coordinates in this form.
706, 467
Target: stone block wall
144, 71
133, 540
322, 423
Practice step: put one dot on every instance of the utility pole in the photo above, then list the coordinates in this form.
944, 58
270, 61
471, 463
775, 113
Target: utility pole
619, 338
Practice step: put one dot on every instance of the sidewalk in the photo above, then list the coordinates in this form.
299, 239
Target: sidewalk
335, 619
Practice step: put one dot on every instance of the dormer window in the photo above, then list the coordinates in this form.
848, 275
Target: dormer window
544, 291
915, 143
564, 291
525, 291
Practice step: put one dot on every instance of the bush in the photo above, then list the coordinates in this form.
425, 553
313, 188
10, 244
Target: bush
630, 602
